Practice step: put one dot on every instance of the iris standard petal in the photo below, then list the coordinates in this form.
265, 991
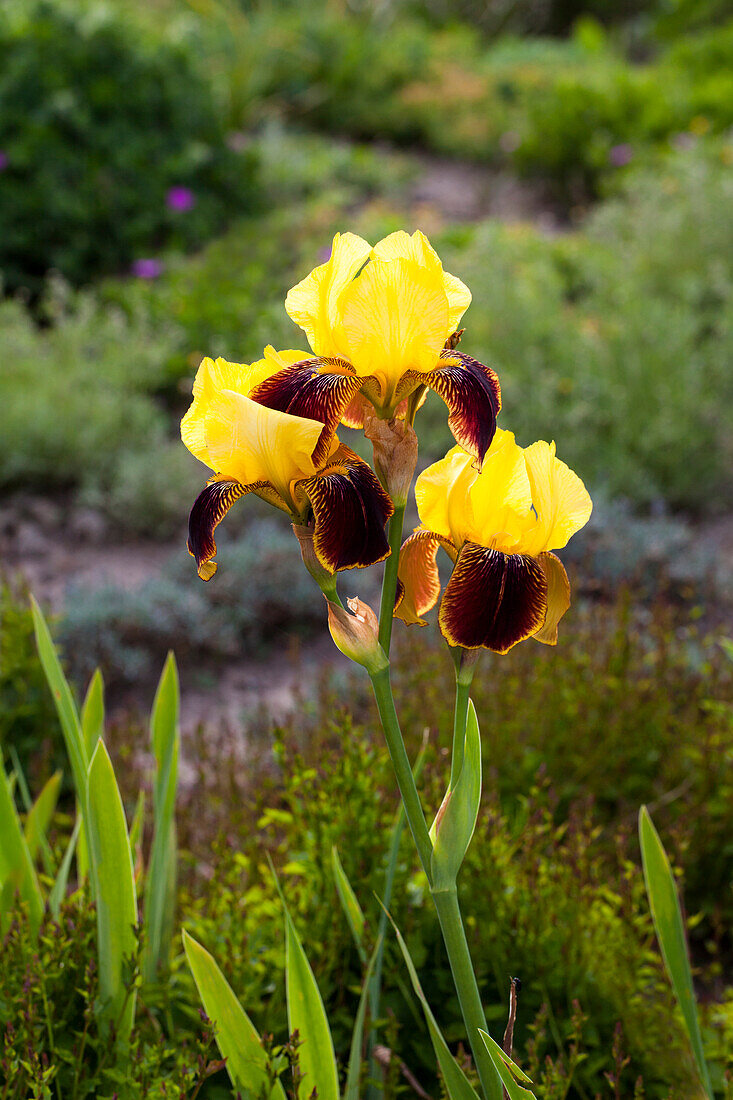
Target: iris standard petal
418, 583
314, 302
212, 376
318, 389
561, 500
350, 509
251, 443
501, 497
473, 396
395, 318
492, 599
401, 245
558, 597
209, 510
442, 496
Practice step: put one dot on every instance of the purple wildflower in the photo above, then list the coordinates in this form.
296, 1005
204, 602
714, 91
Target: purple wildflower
620, 155
147, 269
180, 198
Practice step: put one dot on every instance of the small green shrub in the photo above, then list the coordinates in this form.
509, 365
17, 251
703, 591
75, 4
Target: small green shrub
51, 1045
98, 128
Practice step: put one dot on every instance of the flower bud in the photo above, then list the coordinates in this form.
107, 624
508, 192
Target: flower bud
356, 633
395, 454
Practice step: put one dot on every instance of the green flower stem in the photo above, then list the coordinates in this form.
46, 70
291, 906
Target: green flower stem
465, 668
446, 901
401, 764
459, 956
389, 580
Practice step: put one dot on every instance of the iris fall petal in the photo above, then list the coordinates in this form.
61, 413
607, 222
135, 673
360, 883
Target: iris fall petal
493, 599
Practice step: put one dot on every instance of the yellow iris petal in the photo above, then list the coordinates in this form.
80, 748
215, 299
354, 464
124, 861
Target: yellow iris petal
501, 496
212, 376
442, 493
558, 597
216, 375
394, 318
248, 442
314, 302
491, 508
401, 245
560, 499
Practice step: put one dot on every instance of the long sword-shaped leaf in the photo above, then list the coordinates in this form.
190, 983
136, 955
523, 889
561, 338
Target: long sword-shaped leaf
667, 916
351, 1091
456, 819
16, 866
349, 904
510, 1073
58, 893
64, 700
112, 871
92, 714
236, 1037
306, 1015
40, 816
456, 1082
160, 883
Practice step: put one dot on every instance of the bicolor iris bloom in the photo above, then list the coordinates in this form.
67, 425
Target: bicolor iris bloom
499, 527
380, 322
293, 462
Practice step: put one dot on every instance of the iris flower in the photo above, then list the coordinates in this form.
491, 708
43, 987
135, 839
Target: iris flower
498, 527
382, 323
293, 462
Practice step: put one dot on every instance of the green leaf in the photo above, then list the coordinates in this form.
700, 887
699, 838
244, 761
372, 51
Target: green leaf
456, 1082
357, 1039
64, 700
41, 814
307, 1016
112, 873
58, 892
16, 866
92, 714
160, 881
349, 904
507, 1070
138, 822
667, 916
236, 1037
456, 819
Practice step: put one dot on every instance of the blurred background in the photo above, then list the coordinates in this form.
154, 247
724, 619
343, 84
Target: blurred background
168, 169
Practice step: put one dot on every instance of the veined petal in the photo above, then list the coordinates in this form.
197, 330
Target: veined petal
350, 509
395, 318
492, 599
317, 389
561, 500
250, 443
473, 396
314, 302
401, 245
558, 597
418, 583
209, 510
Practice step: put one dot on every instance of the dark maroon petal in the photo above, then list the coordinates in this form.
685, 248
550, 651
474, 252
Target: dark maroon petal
473, 396
493, 599
350, 508
319, 389
207, 513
